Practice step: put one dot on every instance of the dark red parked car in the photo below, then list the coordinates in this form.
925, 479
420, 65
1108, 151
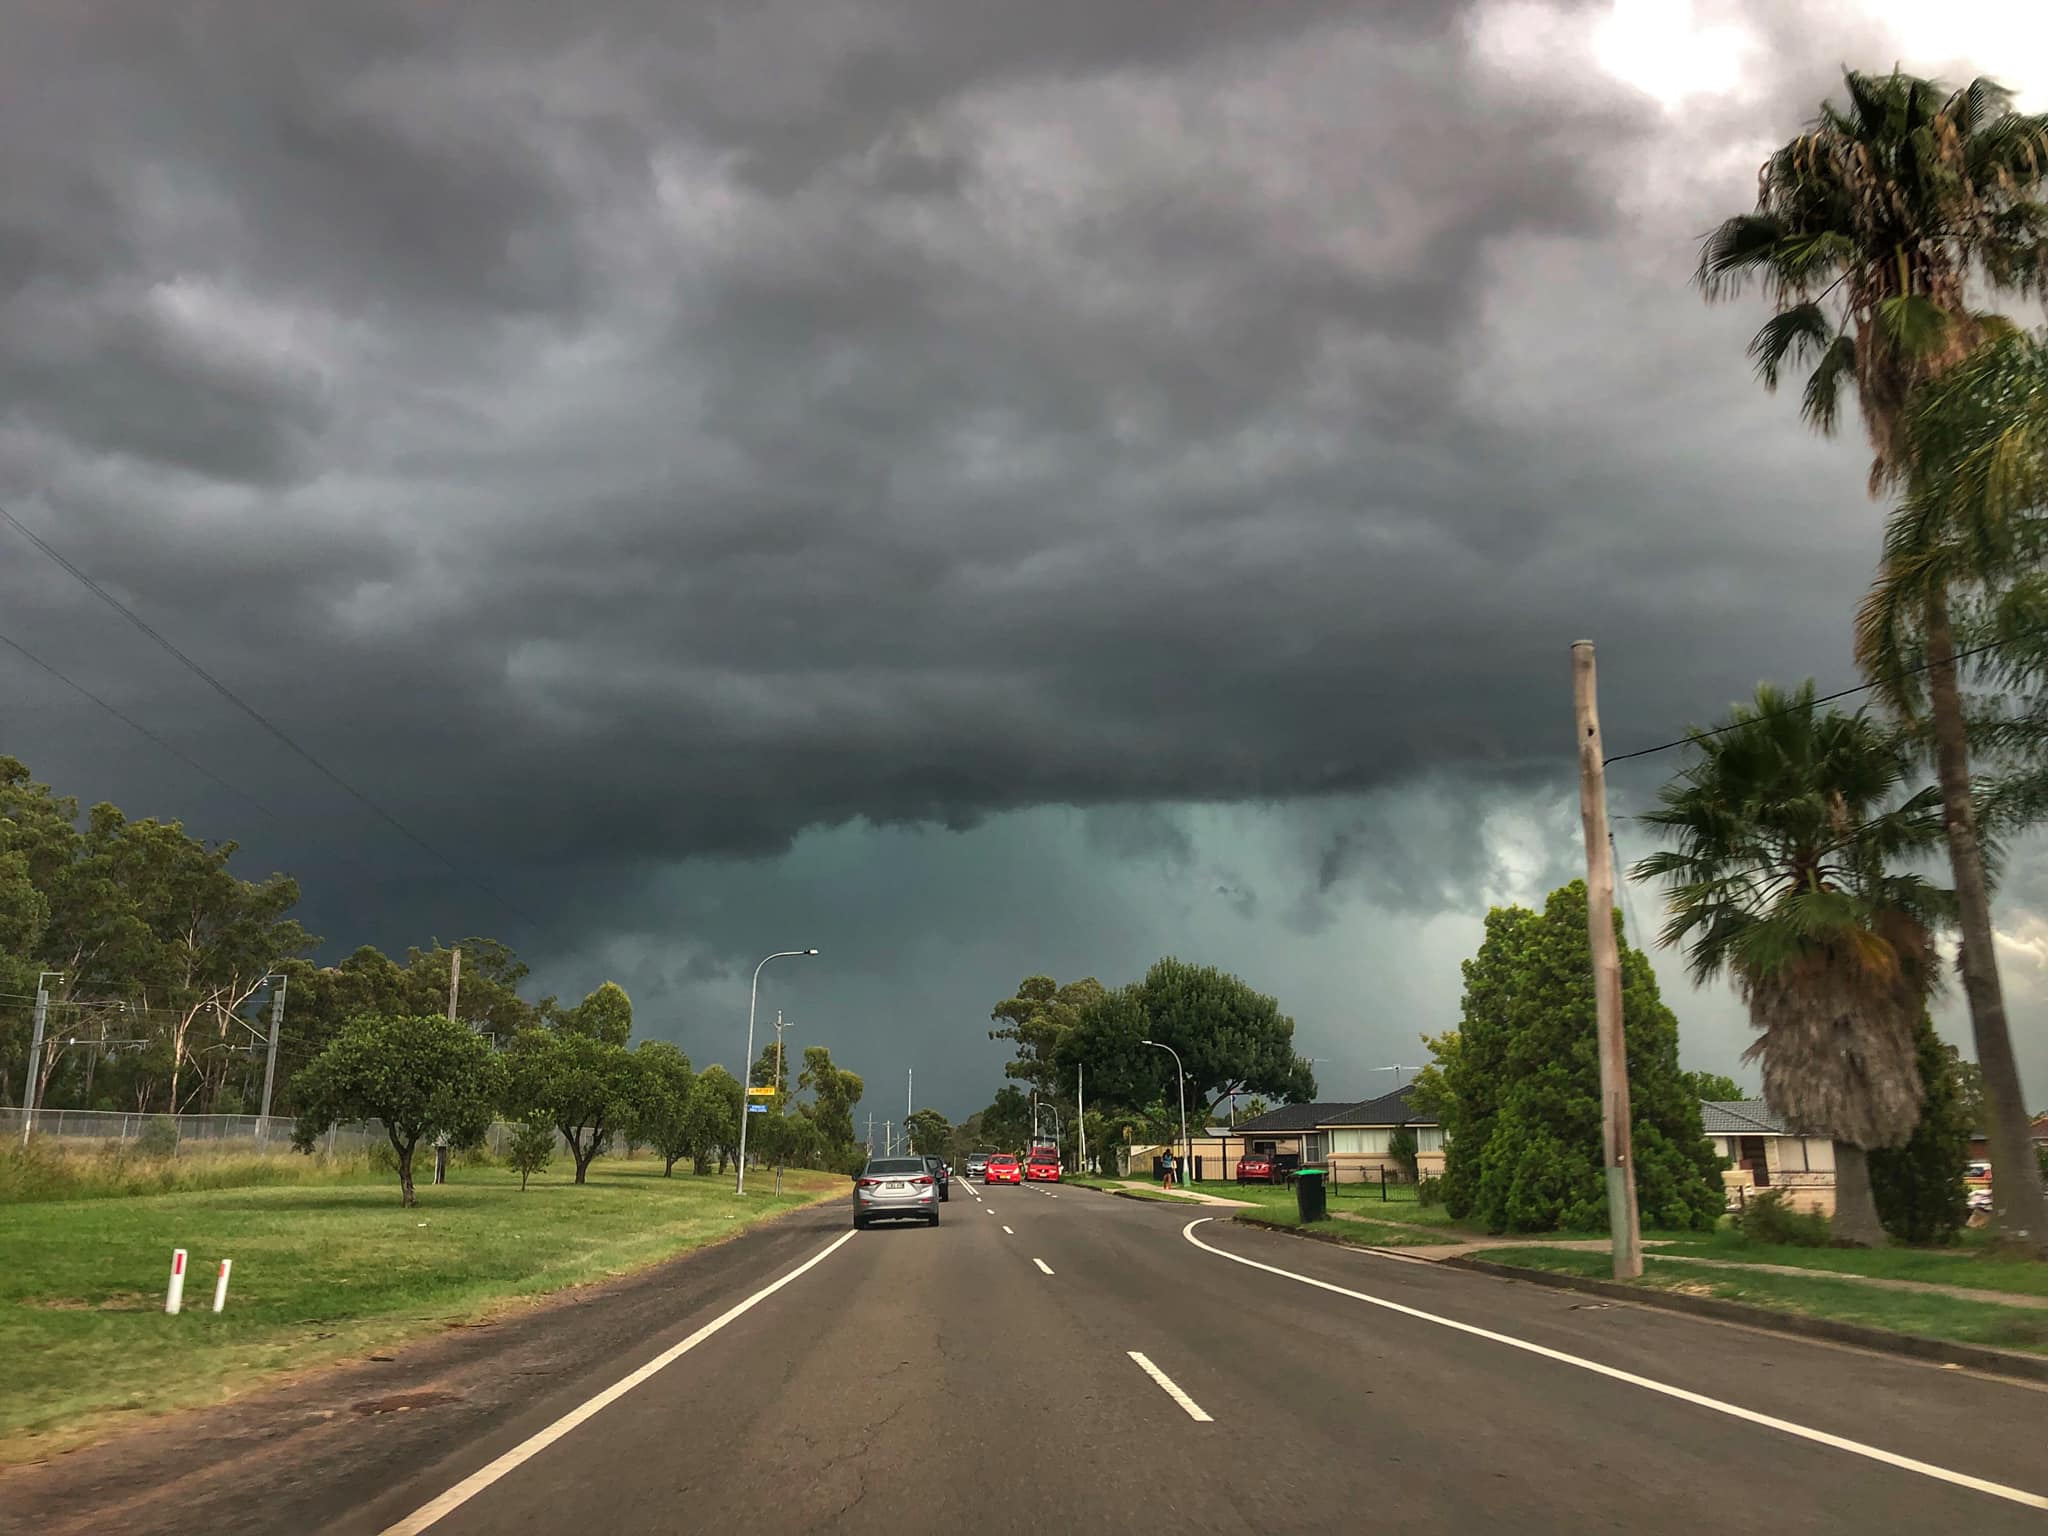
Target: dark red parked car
1259, 1168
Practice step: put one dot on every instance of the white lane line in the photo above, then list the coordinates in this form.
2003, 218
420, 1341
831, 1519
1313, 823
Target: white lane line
1171, 1388
1043, 1265
533, 1445
1006, 1229
1662, 1388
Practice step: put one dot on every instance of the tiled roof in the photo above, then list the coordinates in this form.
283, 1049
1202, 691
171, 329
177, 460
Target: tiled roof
1396, 1108
1289, 1117
1388, 1109
1739, 1117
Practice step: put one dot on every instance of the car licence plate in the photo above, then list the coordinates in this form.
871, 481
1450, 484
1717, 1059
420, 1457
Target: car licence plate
893, 1187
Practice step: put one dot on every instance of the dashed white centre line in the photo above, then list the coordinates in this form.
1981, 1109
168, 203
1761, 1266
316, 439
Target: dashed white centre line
1043, 1265
1171, 1388
1006, 1229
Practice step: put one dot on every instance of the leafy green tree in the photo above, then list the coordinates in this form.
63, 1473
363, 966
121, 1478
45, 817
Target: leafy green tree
1401, 1147
834, 1092
1517, 1086
1900, 210
1919, 1187
716, 1103
1715, 1087
662, 1086
531, 1150
929, 1132
419, 1076
1006, 1123
606, 1014
1969, 1081
583, 1085
1782, 832
1230, 1039
771, 1070
1035, 1021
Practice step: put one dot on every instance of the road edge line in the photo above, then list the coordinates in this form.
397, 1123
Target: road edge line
1789, 1427
447, 1502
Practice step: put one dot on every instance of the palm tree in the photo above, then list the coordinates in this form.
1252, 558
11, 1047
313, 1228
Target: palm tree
1975, 520
1869, 232
1785, 830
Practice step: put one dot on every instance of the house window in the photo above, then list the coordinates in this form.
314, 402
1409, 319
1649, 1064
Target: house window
1429, 1138
1359, 1143
1752, 1157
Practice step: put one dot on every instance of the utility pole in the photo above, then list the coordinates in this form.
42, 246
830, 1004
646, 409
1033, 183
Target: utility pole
30, 1089
1615, 1120
270, 1060
779, 1028
909, 1104
871, 1133
454, 979
1081, 1117
888, 1141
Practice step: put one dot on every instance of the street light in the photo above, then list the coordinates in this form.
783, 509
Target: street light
1180, 1084
747, 1061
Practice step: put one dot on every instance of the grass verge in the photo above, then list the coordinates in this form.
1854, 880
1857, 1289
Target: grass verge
1355, 1234
1929, 1316
321, 1271
49, 1170
1971, 1264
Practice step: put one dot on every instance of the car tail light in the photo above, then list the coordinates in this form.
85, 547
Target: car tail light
926, 1179
870, 1183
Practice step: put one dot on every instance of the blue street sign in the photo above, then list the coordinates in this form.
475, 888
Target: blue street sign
757, 1109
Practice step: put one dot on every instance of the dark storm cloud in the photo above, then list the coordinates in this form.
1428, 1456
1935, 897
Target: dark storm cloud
618, 434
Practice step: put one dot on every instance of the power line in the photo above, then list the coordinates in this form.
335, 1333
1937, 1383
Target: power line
135, 725
1826, 698
258, 716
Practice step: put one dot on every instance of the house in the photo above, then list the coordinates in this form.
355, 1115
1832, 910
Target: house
1765, 1155
1349, 1139
1980, 1142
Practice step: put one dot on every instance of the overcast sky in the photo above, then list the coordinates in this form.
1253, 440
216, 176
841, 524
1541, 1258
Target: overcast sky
980, 488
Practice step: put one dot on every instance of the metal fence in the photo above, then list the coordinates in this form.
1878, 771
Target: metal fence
85, 1127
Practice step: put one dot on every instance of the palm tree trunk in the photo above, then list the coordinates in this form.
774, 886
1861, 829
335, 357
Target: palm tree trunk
1856, 1218
2019, 1212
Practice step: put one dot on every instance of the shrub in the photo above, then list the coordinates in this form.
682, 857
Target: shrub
159, 1138
1771, 1218
532, 1148
1919, 1187
383, 1158
1429, 1190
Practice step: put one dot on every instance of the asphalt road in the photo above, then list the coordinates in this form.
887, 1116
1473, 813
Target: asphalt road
980, 1377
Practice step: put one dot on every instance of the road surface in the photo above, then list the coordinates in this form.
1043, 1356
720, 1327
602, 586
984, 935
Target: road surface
1053, 1362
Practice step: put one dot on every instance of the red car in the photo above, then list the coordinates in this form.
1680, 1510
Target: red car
1003, 1169
1259, 1168
1043, 1167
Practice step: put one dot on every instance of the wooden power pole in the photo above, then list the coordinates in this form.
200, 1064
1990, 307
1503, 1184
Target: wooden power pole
1615, 1120
454, 980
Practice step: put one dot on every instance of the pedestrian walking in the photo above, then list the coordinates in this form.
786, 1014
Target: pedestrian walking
1167, 1166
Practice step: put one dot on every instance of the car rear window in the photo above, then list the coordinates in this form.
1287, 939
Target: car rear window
896, 1165
1007, 1162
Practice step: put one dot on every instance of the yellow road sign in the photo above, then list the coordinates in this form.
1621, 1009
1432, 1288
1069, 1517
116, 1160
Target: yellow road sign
760, 1093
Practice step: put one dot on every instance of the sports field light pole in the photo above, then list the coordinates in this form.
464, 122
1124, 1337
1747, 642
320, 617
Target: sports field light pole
1180, 1085
747, 1070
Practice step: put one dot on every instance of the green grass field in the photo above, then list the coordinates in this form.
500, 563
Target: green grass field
321, 1270
1971, 1263
1931, 1316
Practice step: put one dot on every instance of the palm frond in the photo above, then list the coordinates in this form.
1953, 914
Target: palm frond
1914, 324
1797, 332
1821, 403
1735, 251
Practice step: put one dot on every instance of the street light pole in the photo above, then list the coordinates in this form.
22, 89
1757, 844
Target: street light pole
1180, 1083
747, 1061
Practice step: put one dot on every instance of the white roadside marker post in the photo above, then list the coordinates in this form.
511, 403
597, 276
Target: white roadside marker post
176, 1298
220, 1286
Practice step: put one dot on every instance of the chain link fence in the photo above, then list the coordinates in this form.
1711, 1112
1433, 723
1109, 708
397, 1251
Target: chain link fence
92, 1127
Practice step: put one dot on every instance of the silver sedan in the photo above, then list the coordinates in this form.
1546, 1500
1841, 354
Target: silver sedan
892, 1187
